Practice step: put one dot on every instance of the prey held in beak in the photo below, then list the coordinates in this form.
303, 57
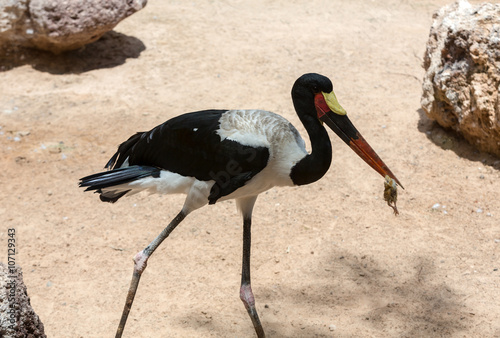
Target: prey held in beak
331, 112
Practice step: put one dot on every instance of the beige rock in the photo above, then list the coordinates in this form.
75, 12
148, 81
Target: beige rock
17, 317
462, 79
59, 25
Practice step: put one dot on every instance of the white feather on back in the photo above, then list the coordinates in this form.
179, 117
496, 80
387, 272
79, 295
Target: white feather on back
260, 128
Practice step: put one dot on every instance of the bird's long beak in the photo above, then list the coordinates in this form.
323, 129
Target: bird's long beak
331, 112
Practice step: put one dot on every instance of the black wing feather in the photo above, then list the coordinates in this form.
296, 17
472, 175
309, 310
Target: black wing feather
117, 160
190, 146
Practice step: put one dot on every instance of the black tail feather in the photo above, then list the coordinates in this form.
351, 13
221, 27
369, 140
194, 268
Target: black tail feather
112, 197
109, 179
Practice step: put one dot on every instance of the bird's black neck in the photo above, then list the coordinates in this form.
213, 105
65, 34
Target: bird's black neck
314, 165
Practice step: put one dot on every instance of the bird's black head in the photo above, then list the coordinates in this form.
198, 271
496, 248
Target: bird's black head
314, 101
305, 90
309, 85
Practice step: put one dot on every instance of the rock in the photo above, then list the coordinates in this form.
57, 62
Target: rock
60, 25
17, 317
462, 79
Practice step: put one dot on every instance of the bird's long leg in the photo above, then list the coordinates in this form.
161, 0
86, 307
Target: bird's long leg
140, 262
246, 293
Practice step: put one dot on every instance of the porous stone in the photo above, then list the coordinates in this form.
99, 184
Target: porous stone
17, 317
462, 79
60, 25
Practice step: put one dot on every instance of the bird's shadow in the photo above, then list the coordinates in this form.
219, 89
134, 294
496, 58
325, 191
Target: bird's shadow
348, 281
451, 140
111, 50
343, 281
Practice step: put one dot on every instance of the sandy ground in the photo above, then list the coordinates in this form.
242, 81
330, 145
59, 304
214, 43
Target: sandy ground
329, 259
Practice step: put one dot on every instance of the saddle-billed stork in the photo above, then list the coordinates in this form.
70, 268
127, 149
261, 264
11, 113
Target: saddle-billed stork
216, 155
